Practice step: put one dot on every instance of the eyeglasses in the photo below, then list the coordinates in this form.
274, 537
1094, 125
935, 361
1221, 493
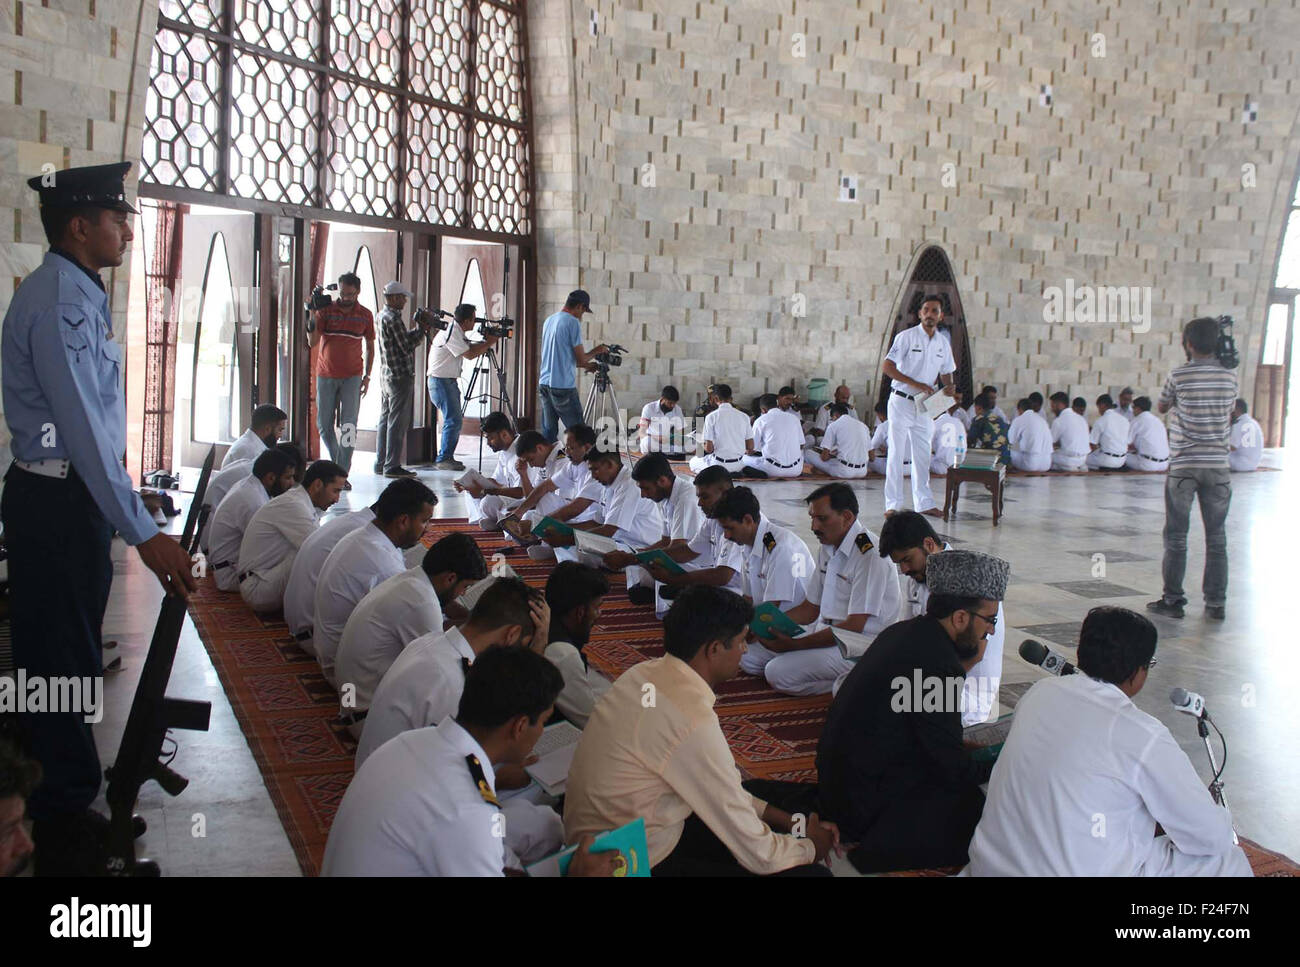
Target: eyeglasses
991, 622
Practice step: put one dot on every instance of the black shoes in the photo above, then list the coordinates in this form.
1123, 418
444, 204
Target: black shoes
641, 594
1159, 606
400, 472
1215, 612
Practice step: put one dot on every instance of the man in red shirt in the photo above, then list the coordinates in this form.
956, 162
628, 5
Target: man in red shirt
342, 377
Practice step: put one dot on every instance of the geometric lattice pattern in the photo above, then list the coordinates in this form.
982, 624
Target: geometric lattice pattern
407, 109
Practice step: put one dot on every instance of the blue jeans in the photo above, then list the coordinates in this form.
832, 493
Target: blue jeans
338, 395
562, 404
445, 395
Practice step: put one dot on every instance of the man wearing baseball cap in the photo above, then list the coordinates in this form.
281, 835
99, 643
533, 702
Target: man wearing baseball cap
67, 493
397, 380
562, 353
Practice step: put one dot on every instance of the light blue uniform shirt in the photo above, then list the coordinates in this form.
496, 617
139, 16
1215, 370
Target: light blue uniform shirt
560, 333
62, 376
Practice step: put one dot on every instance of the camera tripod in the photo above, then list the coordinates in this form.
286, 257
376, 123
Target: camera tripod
496, 365
602, 404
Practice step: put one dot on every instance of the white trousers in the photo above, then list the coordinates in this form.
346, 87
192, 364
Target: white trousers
491, 509
264, 591
939, 466
1135, 461
880, 464
833, 467
1029, 460
812, 671
1068, 461
771, 469
733, 465
1165, 859
532, 832
907, 427
1243, 460
1097, 460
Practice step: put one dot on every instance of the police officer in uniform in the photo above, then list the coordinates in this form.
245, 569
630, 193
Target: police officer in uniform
67, 492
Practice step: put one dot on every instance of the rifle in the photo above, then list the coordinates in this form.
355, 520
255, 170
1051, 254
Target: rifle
139, 757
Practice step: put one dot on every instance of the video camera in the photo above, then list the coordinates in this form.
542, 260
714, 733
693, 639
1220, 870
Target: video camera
1226, 348
433, 318
318, 300
503, 328
613, 356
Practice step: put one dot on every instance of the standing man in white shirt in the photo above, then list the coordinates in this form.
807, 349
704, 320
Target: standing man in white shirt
277, 530
949, 432
662, 427
845, 446
675, 497
1069, 436
1246, 441
1086, 778
447, 356
1031, 439
486, 507
908, 540
778, 442
852, 587
264, 431
396, 612
1148, 442
426, 804
272, 475
1109, 437
368, 556
726, 435
918, 358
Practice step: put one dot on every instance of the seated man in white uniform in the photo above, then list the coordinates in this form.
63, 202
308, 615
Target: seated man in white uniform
1031, 440
1148, 442
963, 413
878, 456
300, 592
423, 686
709, 558
949, 433
1080, 406
681, 516
272, 475
992, 393
778, 442
776, 565
1086, 778
574, 593
1069, 435
1109, 437
398, 611
569, 493
726, 435
824, 415
267, 425
426, 804
662, 427
845, 446
221, 482
908, 540
486, 505
365, 558
852, 587
278, 529
626, 516
1246, 440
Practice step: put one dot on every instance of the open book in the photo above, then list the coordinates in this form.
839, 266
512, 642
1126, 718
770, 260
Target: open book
549, 527
936, 403
477, 479
629, 840
597, 544
768, 618
554, 751
658, 556
852, 644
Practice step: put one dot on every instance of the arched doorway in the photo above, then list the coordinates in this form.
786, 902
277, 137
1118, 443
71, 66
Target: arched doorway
931, 274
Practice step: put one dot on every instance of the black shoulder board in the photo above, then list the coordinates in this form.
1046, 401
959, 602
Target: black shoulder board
863, 543
769, 540
464, 665
480, 780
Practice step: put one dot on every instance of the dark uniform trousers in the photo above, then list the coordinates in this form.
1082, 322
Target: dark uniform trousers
60, 572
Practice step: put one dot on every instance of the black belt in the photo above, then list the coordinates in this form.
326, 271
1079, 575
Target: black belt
244, 575
1120, 456
1153, 459
303, 635
353, 718
851, 466
218, 567
782, 466
899, 392
725, 460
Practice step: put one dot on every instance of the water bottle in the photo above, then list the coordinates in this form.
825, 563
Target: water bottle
959, 453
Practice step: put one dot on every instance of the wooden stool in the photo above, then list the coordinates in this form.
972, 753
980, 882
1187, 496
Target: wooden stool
991, 479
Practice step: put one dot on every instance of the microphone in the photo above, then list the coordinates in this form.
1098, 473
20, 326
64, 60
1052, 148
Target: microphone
1036, 653
1189, 702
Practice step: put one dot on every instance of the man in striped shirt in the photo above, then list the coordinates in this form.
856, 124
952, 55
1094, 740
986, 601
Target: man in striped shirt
1198, 398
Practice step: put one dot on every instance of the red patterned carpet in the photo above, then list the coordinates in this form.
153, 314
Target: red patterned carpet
288, 711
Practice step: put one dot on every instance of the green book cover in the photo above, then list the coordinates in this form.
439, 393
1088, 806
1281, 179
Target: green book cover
629, 840
550, 527
768, 618
659, 556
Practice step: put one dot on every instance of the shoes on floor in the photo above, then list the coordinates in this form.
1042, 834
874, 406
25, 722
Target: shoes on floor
1160, 606
754, 473
378, 471
449, 465
641, 594
400, 472
1215, 611
669, 591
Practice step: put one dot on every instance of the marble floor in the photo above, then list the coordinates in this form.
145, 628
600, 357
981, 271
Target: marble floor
1053, 530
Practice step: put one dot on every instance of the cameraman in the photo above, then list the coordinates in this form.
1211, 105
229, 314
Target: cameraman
562, 352
397, 379
1199, 398
341, 377
450, 350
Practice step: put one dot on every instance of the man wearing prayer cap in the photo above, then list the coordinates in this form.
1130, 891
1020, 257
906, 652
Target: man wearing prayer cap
67, 493
892, 771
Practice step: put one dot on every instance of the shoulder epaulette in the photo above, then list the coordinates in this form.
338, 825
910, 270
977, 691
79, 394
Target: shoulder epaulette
863, 543
769, 540
480, 780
